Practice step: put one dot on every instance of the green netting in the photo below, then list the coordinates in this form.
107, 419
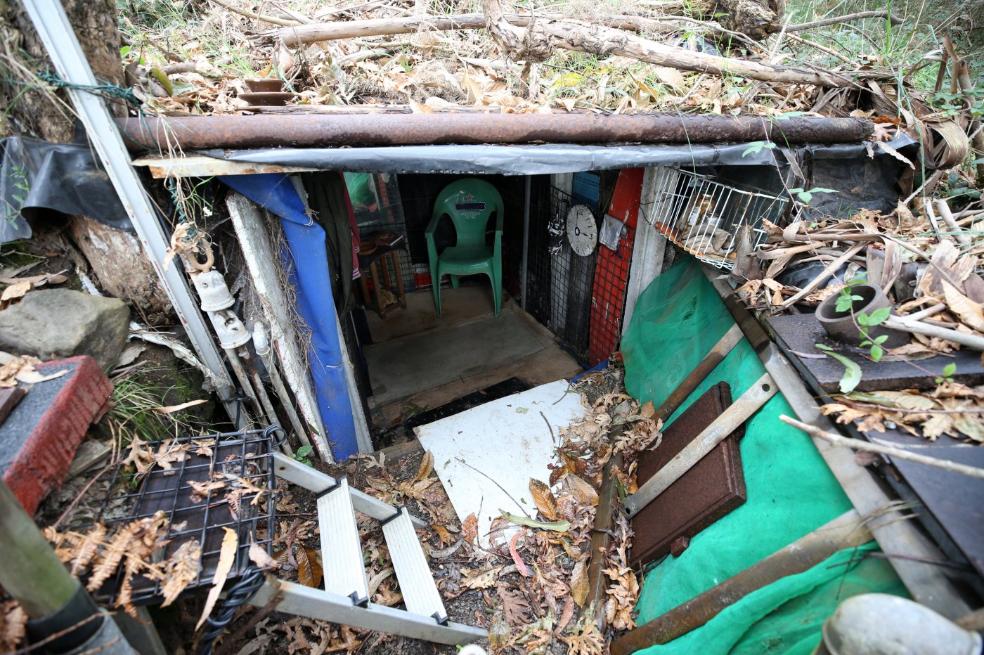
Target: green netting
790, 489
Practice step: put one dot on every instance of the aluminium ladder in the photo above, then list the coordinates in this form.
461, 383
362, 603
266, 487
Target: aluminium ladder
345, 598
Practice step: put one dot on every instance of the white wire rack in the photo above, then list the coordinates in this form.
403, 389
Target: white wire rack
704, 217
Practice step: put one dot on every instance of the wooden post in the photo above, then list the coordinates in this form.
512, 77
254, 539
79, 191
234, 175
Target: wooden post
29, 569
846, 531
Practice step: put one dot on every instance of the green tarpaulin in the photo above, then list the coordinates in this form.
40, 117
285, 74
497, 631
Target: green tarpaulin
789, 487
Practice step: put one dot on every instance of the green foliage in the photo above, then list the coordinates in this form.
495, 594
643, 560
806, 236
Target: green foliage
948, 372
303, 454
756, 147
852, 372
805, 196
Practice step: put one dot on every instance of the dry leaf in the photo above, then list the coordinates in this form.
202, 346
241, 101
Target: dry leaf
544, 499
259, 556
971, 313
426, 466
170, 409
579, 583
227, 556
517, 559
583, 491
469, 528
472, 579
16, 290
181, 570
309, 571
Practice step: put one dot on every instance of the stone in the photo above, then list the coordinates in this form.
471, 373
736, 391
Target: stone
52, 323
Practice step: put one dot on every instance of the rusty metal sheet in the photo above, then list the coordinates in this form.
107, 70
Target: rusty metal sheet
708, 491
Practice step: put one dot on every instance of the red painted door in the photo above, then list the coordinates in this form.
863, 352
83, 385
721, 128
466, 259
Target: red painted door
611, 277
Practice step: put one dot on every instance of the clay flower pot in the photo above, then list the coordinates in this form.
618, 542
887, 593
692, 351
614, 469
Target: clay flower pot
841, 326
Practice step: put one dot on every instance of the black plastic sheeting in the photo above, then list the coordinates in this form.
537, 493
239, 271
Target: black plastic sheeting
36, 175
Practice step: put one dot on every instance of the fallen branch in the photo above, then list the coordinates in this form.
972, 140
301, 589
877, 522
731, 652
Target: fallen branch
846, 18
542, 38
273, 20
546, 33
293, 35
891, 451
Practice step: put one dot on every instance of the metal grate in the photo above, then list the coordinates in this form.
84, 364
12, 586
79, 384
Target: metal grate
230, 456
704, 217
559, 281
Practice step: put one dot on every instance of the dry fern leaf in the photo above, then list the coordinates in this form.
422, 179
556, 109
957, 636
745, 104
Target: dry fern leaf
181, 570
86, 551
13, 625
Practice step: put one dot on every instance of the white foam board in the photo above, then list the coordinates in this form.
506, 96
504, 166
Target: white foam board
502, 443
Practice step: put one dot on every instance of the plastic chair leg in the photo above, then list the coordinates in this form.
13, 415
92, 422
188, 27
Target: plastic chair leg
436, 287
454, 281
496, 294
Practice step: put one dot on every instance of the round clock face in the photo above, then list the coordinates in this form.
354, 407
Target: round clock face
582, 230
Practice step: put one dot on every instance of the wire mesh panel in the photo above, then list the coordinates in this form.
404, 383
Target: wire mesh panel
705, 217
559, 281
200, 485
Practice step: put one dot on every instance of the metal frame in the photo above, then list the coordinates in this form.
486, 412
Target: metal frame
300, 600
51, 23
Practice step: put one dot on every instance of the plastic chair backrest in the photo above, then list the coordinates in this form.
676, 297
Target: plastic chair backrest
469, 203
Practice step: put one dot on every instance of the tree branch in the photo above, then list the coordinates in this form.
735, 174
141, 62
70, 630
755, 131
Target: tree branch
846, 18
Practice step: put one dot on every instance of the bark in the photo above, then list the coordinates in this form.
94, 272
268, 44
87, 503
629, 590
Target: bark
121, 268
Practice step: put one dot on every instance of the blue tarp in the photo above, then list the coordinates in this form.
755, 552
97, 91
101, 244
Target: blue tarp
311, 278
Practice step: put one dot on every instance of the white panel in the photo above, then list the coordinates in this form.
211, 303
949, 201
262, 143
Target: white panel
412, 571
485, 456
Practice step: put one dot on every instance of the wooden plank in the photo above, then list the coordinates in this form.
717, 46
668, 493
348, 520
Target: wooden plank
202, 166
743, 408
249, 224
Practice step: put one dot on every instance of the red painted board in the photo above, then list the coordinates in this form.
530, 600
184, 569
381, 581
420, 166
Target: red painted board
611, 277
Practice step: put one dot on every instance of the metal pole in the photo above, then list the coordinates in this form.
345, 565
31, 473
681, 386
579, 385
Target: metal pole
63, 48
526, 240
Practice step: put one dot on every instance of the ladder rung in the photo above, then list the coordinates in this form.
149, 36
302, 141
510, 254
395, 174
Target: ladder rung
417, 585
341, 549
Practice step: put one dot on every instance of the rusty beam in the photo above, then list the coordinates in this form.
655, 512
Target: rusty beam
323, 130
846, 531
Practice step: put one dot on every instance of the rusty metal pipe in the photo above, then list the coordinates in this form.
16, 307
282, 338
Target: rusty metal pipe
321, 130
846, 531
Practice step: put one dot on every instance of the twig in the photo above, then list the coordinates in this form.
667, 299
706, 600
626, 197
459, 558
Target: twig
947, 216
926, 313
549, 427
821, 48
273, 20
501, 488
892, 451
846, 18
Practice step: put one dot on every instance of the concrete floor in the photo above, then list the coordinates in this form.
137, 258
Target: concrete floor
421, 361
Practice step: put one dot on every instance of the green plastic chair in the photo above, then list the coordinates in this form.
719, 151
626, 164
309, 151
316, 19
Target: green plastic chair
470, 203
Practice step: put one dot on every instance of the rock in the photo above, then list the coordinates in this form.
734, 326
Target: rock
55, 323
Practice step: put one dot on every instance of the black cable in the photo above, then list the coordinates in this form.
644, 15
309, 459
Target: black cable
237, 596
